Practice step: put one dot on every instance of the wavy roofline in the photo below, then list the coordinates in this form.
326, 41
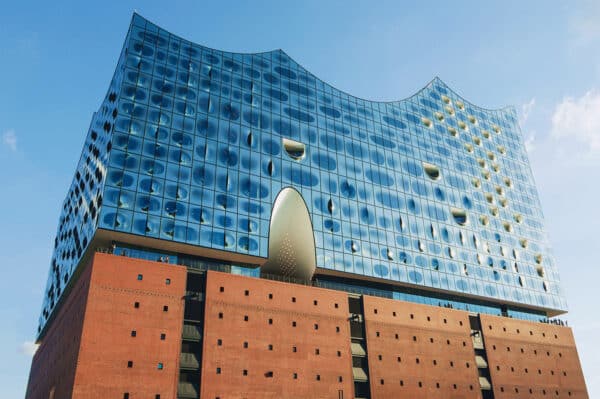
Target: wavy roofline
436, 79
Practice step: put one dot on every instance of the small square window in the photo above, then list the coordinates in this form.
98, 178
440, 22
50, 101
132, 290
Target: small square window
221, 289
218, 370
136, 305
335, 305
317, 352
245, 345
294, 349
245, 317
133, 333
157, 396
163, 336
270, 296
293, 324
129, 364
165, 308
375, 311
337, 329
245, 372
270, 347
219, 342
270, 321
126, 395
318, 377
295, 376
160, 366
168, 281
140, 277
220, 315
316, 326
340, 379
377, 333
247, 293
293, 299
339, 353
315, 302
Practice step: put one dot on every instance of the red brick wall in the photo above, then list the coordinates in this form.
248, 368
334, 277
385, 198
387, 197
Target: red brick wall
439, 338
526, 356
53, 366
232, 358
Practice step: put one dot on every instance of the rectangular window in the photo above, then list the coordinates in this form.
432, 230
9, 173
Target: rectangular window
129, 364
165, 308
157, 396
293, 324
295, 376
221, 289
168, 281
245, 317
218, 370
136, 305
126, 395
133, 333
220, 315
160, 366
270, 296
163, 336
247, 293
245, 372
246, 345
294, 349
316, 326
140, 277
219, 342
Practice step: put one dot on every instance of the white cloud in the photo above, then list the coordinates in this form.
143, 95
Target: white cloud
526, 110
9, 139
578, 120
28, 348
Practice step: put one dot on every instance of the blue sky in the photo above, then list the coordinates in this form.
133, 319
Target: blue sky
543, 57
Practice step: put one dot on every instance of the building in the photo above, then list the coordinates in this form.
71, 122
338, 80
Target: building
237, 228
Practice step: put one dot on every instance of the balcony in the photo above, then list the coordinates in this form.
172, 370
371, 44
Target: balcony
189, 361
191, 332
187, 390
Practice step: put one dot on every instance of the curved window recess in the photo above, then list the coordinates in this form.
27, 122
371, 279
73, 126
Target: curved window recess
538, 259
461, 237
486, 134
446, 99
486, 247
481, 163
449, 110
524, 243
486, 175
475, 241
451, 252
476, 140
294, 149
330, 206
507, 182
502, 149
494, 211
354, 247
421, 246
496, 128
453, 131
502, 251
489, 198
495, 167
515, 254
432, 231
521, 281
460, 104
476, 182
479, 259
431, 170
507, 227
462, 125
427, 122
515, 267
545, 285
491, 156
540, 271
503, 202
271, 168
390, 254
484, 220
465, 270
499, 190
439, 116
472, 119
459, 215
468, 147
249, 139
518, 218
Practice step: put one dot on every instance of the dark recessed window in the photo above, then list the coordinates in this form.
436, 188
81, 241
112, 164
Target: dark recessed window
218, 370
316, 326
136, 305
163, 336
293, 324
140, 277
294, 349
130, 364
221, 289
245, 372
340, 379
246, 345
270, 347
168, 281
220, 315
160, 366
270, 296
295, 376
270, 321
245, 317
219, 342
315, 302
246, 292
293, 299
157, 396
165, 308
133, 333
317, 352
318, 377
339, 353
335, 305
337, 329
377, 333
126, 395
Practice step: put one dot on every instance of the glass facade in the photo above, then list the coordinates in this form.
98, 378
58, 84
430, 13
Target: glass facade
193, 145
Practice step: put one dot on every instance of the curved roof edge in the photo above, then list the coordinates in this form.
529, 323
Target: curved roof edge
435, 80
